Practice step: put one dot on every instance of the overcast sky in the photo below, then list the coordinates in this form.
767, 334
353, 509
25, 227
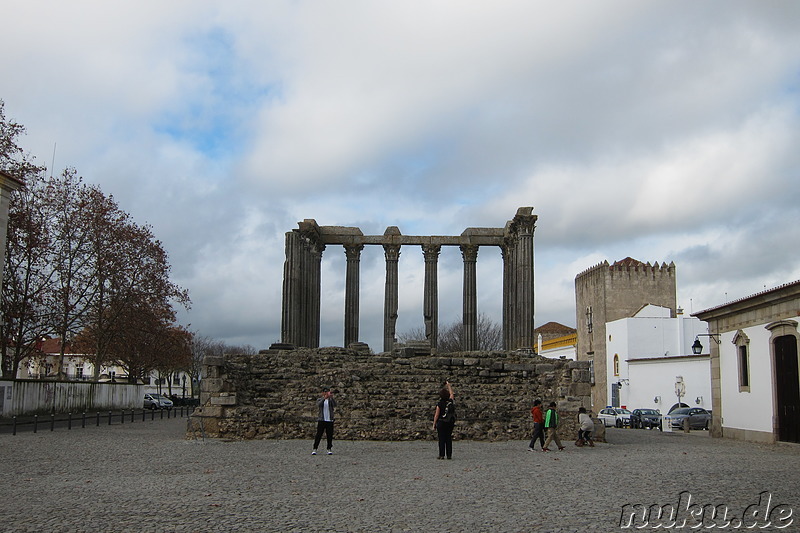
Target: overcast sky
658, 130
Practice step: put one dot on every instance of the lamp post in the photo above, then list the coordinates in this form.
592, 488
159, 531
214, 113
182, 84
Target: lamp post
697, 347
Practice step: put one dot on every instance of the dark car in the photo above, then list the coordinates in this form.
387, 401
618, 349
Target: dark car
698, 417
645, 418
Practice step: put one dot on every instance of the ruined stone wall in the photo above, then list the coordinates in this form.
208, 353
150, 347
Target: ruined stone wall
382, 397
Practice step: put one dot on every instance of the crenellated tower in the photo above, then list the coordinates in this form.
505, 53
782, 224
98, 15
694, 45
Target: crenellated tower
608, 292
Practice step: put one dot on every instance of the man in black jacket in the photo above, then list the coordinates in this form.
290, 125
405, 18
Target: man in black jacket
325, 405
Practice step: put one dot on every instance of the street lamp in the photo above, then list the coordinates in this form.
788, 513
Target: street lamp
697, 348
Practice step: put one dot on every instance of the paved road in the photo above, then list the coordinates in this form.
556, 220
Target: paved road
145, 477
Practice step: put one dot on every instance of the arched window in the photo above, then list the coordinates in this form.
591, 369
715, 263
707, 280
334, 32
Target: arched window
616, 364
742, 343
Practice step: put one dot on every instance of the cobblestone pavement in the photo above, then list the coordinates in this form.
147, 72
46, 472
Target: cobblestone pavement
146, 477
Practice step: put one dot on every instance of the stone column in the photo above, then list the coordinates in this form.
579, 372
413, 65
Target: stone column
390, 301
315, 294
470, 314
290, 311
351, 293
507, 251
524, 224
300, 320
430, 306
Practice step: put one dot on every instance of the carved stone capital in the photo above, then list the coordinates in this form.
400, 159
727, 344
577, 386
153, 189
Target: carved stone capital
353, 251
392, 252
431, 252
469, 252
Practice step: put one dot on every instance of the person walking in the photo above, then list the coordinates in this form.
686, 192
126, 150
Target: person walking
538, 425
444, 419
325, 405
551, 425
586, 427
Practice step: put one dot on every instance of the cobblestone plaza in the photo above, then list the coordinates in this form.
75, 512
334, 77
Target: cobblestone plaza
147, 477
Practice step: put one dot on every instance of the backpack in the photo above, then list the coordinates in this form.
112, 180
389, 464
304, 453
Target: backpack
449, 414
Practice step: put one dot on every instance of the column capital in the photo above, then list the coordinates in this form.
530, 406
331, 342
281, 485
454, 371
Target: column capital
391, 251
469, 252
524, 222
431, 251
353, 251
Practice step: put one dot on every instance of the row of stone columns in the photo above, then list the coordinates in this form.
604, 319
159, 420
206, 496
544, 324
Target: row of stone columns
301, 287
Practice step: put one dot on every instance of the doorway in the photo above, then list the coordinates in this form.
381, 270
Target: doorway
787, 388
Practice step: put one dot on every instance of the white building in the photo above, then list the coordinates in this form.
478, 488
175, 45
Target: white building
79, 367
558, 348
754, 366
648, 354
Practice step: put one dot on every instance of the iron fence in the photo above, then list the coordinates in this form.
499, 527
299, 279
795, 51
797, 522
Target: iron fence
69, 420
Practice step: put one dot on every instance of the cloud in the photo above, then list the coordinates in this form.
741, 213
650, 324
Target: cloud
634, 129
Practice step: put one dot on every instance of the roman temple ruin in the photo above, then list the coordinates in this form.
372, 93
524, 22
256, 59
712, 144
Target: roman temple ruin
300, 315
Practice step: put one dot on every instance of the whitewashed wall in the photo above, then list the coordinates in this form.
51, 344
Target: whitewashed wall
656, 379
747, 410
31, 397
653, 334
567, 352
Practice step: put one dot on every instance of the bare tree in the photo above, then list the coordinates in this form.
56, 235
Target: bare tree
201, 346
75, 262
26, 274
28, 278
451, 336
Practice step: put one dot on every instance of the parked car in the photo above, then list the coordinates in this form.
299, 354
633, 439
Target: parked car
698, 417
615, 416
156, 401
177, 400
645, 418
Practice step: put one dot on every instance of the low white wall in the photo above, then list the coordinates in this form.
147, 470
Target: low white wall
31, 397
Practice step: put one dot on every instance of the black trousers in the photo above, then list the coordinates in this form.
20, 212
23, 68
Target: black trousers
445, 431
538, 431
327, 427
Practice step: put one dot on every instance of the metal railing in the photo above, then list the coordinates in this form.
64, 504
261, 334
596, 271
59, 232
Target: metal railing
68, 420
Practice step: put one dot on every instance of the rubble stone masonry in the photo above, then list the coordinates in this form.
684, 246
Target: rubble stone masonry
272, 395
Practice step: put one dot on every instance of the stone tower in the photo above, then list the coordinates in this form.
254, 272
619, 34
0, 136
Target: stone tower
605, 293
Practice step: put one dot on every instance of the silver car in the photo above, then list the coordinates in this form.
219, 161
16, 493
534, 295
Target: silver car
156, 401
615, 416
698, 417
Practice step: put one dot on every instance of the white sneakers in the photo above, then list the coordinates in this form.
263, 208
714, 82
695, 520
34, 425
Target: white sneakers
314, 452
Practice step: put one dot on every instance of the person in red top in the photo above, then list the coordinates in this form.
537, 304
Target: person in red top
538, 425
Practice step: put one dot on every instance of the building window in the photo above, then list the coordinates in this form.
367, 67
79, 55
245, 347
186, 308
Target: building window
744, 367
589, 318
79, 371
616, 364
742, 343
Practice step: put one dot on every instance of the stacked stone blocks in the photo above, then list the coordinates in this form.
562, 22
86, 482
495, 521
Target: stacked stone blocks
384, 397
